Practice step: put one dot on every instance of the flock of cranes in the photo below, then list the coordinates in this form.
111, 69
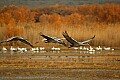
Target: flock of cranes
48, 39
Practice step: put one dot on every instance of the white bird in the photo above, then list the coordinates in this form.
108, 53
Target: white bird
12, 49
98, 48
75, 43
85, 49
42, 48
57, 49
107, 48
24, 49
53, 48
75, 48
36, 49
91, 49
4, 49
32, 49
19, 49
81, 48
112, 49
92, 52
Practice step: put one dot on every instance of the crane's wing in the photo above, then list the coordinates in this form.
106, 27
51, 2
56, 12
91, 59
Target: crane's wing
17, 38
47, 37
62, 42
89, 39
9, 39
25, 41
68, 38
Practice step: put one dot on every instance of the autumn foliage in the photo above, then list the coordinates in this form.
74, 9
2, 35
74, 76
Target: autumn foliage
83, 20
108, 13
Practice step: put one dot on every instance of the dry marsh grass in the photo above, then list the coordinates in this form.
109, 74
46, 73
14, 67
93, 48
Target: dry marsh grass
81, 25
109, 36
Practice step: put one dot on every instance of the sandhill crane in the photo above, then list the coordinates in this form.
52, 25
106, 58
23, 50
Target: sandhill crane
17, 38
75, 43
49, 39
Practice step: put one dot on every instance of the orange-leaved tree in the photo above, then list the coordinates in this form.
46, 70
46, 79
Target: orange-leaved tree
11, 29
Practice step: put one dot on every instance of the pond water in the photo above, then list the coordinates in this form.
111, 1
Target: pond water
61, 74
38, 55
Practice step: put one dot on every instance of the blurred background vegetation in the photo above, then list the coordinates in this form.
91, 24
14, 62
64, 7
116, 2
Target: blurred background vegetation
81, 22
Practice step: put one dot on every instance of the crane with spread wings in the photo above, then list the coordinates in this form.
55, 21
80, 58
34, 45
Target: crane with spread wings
49, 39
17, 38
75, 43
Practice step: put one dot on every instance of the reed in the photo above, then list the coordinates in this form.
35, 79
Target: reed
107, 36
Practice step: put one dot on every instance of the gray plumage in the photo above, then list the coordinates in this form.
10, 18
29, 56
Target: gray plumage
75, 43
17, 38
49, 39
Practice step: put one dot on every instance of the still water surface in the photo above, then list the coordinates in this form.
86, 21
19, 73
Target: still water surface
61, 74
